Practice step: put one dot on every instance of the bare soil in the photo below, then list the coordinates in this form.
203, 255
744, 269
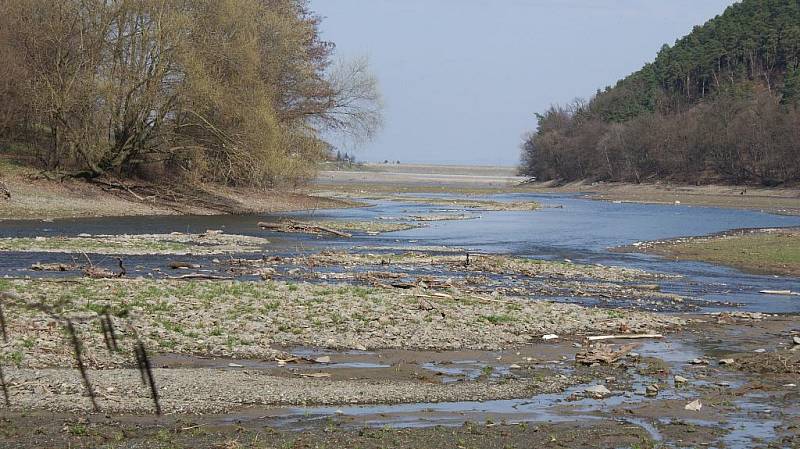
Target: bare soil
34, 197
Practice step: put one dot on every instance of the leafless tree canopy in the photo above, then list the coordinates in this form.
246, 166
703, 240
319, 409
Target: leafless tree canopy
237, 91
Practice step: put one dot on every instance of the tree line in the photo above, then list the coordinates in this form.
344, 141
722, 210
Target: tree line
721, 105
233, 91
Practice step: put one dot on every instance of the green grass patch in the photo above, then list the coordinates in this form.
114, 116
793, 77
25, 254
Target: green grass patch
770, 253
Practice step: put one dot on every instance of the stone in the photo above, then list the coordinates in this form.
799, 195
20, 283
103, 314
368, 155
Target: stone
726, 361
694, 406
680, 379
598, 392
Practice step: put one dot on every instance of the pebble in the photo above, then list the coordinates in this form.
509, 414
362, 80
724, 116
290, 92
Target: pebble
726, 361
796, 340
681, 380
549, 337
699, 362
651, 390
760, 350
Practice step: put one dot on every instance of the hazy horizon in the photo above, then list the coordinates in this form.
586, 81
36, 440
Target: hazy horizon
462, 79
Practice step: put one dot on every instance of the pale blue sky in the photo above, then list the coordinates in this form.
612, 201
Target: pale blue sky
462, 78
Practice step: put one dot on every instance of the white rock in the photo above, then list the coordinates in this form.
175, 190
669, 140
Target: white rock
680, 379
726, 361
514, 366
235, 365
694, 406
760, 350
549, 337
598, 391
323, 359
796, 340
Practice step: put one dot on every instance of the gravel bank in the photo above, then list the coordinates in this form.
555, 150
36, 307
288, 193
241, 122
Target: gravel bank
246, 319
222, 391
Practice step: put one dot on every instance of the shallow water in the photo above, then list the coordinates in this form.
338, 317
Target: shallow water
566, 227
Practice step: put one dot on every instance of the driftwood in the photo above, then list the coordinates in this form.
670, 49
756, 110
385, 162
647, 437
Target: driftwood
54, 267
624, 336
103, 273
177, 265
300, 227
602, 353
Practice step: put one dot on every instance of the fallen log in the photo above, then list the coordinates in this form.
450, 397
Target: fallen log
623, 336
779, 292
302, 228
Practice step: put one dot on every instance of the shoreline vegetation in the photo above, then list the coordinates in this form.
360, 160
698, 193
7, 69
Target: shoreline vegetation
721, 104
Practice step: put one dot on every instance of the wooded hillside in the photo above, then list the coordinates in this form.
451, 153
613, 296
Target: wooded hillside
233, 91
720, 105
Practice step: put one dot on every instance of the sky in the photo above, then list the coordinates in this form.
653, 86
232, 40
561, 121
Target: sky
462, 79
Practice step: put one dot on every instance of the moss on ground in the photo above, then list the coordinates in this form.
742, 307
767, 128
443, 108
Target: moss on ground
774, 252
246, 319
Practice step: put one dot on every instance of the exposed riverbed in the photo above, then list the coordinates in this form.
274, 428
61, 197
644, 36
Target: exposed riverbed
488, 281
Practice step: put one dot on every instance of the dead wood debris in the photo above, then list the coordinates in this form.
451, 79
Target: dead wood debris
55, 267
603, 354
291, 226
